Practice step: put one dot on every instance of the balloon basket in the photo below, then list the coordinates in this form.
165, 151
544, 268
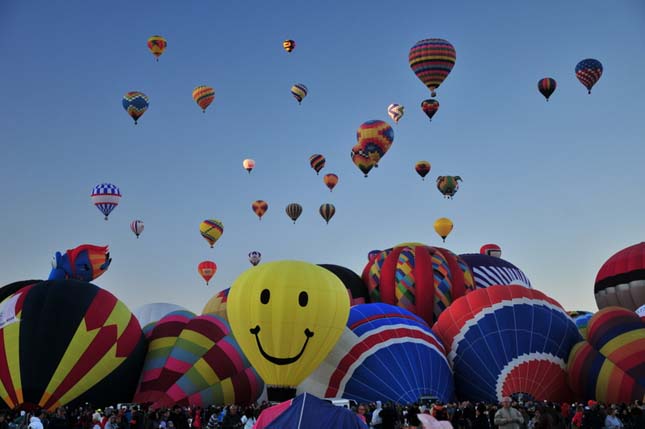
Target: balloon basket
280, 394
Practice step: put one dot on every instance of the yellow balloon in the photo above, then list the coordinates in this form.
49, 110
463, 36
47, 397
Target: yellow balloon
211, 230
443, 226
287, 316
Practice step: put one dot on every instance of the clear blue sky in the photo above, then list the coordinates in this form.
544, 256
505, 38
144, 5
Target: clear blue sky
558, 185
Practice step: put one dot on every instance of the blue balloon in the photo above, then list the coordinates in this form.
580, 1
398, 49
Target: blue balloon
489, 270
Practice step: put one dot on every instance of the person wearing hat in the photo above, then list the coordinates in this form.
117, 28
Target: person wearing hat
591, 419
96, 421
508, 417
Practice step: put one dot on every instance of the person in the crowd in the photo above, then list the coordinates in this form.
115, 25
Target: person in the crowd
388, 416
592, 417
249, 418
481, 418
4, 424
377, 421
361, 411
35, 423
96, 421
612, 421
111, 422
508, 417
576, 420
179, 418
232, 420
412, 417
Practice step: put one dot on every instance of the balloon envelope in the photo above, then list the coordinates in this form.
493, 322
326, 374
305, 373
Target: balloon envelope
432, 60
621, 280
489, 271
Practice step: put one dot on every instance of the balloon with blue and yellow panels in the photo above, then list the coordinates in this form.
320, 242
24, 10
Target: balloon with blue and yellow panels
287, 316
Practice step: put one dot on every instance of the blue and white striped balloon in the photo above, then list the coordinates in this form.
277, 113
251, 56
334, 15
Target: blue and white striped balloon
106, 197
490, 270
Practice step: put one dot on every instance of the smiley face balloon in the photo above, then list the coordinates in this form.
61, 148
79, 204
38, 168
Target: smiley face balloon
287, 316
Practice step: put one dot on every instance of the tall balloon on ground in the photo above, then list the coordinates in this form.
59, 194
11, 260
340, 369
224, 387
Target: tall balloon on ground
621, 279
287, 316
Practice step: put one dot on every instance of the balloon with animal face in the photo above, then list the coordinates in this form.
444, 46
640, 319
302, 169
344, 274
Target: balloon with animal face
448, 185
85, 262
287, 316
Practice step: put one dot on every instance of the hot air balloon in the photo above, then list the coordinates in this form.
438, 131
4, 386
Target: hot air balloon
621, 280
157, 46
448, 185
356, 288
385, 353
432, 60
136, 104
422, 279
195, 361
217, 304
85, 262
608, 365
106, 197
255, 257
422, 168
299, 92
395, 111
327, 211
211, 230
67, 342
505, 341
490, 271
289, 45
375, 137
203, 96
287, 316
317, 162
361, 159
259, 207
294, 210
491, 250
137, 227
581, 319
430, 107
443, 226
149, 314
248, 165
373, 254
330, 180
588, 72
547, 86
207, 270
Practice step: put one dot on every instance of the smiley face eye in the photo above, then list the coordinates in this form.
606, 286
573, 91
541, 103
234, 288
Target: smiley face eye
265, 296
303, 299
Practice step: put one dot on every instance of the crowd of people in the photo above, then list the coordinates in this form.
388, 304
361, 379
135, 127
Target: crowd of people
465, 415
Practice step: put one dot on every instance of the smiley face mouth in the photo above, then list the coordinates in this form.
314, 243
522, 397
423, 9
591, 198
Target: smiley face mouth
276, 360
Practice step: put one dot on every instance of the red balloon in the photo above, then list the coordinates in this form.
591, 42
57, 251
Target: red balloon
207, 270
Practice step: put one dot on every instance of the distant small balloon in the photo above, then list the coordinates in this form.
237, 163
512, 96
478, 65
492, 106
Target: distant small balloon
255, 257
207, 270
135, 103
430, 107
547, 86
443, 226
294, 210
491, 250
422, 168
317, 162
330, 180
137, 227
157, 45
289, 45
395, 111
589, 72
299, 92
248, 165
259, 207
327, 211
203, 96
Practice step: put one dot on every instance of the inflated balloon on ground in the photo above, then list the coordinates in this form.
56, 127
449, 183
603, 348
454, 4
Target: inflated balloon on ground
621, 280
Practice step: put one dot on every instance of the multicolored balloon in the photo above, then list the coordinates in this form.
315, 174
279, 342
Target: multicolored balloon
259, 207
293, 210
422, 279
640, 311
327, 211
448, 185
621, 280
588, 72
375, 137
443, 226
203, 96
395, 111
430, 107
217, 304
608, 365
422, 168
149, 314
106, 197
581, 319
157, 46
248, 165
330, 180
195, 361
385, 353
255, 257
211, 230
85, 262
137, 227
547, 86
207, 270
67, 342
508, 340
136, 104
432, 60
317, 162
491, 249
299, 92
